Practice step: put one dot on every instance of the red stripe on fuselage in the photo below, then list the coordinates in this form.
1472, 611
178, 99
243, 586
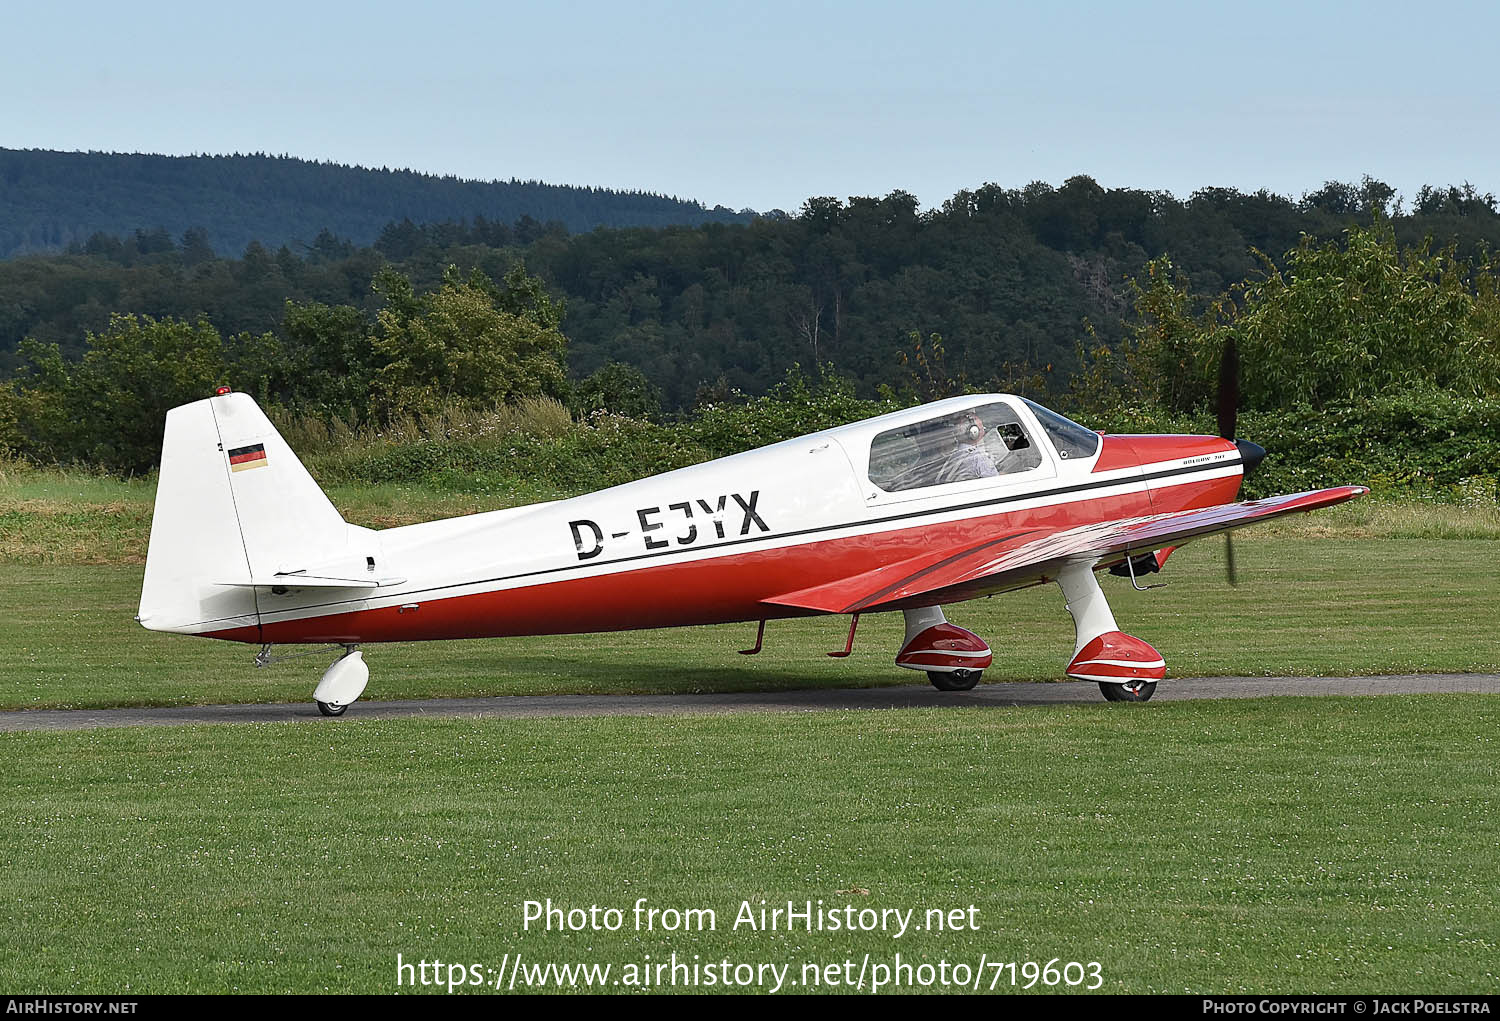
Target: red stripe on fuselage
714, 590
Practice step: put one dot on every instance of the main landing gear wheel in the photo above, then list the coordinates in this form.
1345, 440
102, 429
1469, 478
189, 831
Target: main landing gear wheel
954, 680
1130, 691
332, 708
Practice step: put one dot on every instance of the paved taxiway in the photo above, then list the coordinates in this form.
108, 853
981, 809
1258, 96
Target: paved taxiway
817, 700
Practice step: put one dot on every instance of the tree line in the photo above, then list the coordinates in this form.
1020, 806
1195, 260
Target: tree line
1100, 298
1363, 359
50, 200
1014, 279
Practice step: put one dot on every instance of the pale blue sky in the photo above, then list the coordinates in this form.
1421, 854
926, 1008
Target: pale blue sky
763, 105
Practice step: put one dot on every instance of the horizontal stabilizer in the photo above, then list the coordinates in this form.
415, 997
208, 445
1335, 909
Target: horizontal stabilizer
312, 581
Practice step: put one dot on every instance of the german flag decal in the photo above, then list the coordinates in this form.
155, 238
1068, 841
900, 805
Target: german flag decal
245, 458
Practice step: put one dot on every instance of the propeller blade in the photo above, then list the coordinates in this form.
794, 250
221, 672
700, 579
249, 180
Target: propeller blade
1229, 388
1229, 559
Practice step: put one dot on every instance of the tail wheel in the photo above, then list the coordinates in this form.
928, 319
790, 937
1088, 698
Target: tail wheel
1130, 691
954, 680
333, 708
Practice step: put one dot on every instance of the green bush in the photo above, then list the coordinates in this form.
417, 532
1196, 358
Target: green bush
1139, 418
793, 408
604, 450
1345, 322
620, 390
1424, 442
108, 409
506, 448
471, 341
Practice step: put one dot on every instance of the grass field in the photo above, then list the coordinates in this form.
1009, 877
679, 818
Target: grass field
1369, 587
1276, 845
1279, 845
1304, 606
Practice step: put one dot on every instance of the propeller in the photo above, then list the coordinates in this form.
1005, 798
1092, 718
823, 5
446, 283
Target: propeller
1229, 389
1229, 406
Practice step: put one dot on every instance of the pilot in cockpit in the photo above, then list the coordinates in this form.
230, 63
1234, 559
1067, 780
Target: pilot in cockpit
969, 460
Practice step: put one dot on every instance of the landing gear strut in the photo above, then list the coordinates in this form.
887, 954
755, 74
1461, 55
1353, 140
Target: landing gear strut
1126, 668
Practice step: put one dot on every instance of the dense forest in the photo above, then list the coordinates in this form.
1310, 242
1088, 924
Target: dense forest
51, 200
1015, 281
521, 357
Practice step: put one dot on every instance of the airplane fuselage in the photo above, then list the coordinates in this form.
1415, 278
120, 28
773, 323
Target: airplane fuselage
718, 542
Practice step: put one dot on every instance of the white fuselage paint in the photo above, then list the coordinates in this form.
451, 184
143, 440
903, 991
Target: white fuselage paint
805, 491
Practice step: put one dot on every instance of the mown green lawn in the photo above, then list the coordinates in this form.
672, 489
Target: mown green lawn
1276, 845
1305, 605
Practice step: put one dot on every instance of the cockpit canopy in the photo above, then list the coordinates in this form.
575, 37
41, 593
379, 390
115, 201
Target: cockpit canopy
982, 441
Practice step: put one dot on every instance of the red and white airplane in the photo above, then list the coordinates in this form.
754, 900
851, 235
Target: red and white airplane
907, 512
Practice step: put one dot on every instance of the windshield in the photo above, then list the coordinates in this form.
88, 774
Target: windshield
1070, 438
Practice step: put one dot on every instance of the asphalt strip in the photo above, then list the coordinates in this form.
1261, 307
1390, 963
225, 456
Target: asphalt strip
1001, 695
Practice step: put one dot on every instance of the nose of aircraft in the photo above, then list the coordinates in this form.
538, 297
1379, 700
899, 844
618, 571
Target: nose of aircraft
1251, 454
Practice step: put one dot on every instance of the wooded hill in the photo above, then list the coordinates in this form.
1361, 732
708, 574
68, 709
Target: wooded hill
1013, 279
51, 200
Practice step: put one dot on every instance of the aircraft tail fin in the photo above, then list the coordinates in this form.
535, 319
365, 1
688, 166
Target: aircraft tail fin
233, 503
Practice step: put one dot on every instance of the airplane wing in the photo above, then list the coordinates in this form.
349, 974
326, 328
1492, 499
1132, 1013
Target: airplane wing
1028, 557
